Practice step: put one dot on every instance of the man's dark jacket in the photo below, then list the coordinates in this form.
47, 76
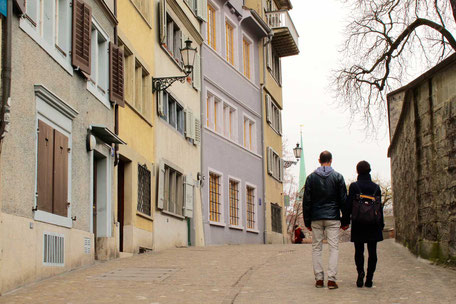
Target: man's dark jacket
325, 194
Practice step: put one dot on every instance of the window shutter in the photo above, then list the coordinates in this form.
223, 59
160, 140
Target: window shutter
202, 9
268, 108
82, 32
270, 160
45, 163
163, 24
281, 170
188, 124
279, 113
116, 75
269, 55
161, 186
160, 103
197, 132
188, 200
197, 72
20, 6
60, 174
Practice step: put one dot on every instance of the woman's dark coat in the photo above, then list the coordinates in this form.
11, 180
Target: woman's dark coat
360, 232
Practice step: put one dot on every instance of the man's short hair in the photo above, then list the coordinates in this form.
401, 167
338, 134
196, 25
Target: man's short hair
363, 167
325, 157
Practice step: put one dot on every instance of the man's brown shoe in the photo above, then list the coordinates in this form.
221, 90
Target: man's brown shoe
319, 284
332, 285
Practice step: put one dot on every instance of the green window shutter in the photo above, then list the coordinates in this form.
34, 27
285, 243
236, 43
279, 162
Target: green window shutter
270, 160
197, 132
279, 112
189, 196
268, 108
161, 186
281, 170
163, 25
197, 72
202, 9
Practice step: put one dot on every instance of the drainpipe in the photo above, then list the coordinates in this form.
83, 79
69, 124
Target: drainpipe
6, 71
263, 145
6, 93
116, 106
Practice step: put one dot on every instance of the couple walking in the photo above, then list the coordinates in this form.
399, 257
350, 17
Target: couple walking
325, 197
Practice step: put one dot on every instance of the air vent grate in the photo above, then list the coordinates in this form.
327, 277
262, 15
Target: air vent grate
87, 245
53, 249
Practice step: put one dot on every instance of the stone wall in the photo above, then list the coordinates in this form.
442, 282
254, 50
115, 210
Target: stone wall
422, 118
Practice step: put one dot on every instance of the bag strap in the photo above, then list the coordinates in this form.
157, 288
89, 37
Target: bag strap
360, 192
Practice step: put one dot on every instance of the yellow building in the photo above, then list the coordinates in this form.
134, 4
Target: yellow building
282, 42
135, 207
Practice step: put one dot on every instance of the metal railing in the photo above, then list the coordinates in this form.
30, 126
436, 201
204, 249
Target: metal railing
281, 19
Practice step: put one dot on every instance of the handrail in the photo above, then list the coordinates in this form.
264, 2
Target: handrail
280, 19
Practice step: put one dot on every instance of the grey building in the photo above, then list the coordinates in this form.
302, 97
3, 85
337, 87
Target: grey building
232, 160
57, 166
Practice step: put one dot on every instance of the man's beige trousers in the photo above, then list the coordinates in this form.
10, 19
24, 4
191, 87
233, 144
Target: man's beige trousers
331, 227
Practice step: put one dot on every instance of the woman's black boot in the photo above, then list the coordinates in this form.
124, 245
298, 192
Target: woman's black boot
369, 278
360, 280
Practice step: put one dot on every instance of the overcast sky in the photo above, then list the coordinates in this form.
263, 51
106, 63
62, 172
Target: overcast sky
308, 100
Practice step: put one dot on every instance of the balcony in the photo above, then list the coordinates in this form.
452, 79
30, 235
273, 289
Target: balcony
285, 40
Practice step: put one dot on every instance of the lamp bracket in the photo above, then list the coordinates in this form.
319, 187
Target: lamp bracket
289, 163
162, 83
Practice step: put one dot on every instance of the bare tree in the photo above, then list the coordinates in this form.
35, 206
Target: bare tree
387, 42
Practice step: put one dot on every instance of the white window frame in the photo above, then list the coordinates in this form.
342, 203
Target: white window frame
255, 206
246, 135
226, 120
222, 222
235, 42
91, 86
251, 58
35, 33
218, 31
240, 203
59, 115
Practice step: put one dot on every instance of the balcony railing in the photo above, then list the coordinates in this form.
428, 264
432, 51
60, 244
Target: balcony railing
285, 34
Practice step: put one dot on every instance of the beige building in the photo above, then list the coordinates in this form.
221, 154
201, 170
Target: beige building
58, 191
177, 219
282, 42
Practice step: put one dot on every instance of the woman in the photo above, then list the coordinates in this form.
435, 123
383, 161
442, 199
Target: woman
362, 234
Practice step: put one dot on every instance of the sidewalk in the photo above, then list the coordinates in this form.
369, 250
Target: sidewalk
243, 274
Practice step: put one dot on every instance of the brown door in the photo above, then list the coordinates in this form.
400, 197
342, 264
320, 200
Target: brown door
120, 202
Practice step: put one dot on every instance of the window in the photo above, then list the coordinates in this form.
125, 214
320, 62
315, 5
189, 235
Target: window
234, 203
229, 32
276, 67
211, 27
229, 121
275, 164
99, 76
173, 113
251, 210
273, 115
246, 57
143, 190
52, 172
138, 84
173, 191
214, 198
249, 134
174, 40
48, 22
276, 218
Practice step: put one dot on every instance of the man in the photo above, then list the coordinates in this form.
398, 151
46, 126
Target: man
324, 198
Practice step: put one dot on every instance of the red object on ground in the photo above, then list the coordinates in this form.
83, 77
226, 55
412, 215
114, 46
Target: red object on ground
298, 235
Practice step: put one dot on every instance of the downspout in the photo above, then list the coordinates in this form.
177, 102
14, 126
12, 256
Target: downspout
116, 106
6, 93
262, 96
6, 70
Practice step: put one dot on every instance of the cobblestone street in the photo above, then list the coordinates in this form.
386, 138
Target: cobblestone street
243, 274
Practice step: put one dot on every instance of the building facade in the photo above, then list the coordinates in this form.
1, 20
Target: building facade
136, 177
177, 217
57, 166
233, 209
282, 42
422, 125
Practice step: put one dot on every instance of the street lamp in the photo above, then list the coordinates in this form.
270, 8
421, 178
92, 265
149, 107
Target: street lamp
297, 151
188, 59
